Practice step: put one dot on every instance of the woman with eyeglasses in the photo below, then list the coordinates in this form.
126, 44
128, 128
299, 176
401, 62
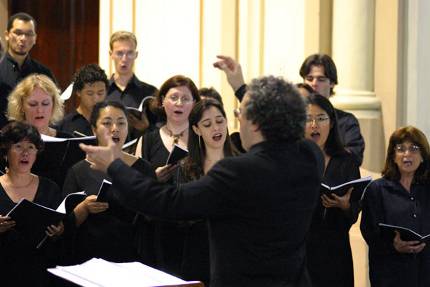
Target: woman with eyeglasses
175, 100
21, 263
402, 198
328, 248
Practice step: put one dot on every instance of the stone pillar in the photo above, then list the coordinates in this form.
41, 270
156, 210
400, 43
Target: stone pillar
353, 53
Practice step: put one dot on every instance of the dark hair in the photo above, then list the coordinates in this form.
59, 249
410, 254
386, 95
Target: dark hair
306, 87
89, 74
334, 144
96, 110
278, 109
20, 16
173, 82
324, 61
417, 137
211, 93
193, 166
15, 132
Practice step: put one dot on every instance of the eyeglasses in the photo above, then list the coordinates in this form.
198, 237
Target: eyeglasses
401, 149
129, 54
184, 100
317, 120
19, 148
320, 79
19, 33
236, 112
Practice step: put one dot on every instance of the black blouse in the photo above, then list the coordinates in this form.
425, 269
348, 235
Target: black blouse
22, 264
387, 201
109, 235
328, 246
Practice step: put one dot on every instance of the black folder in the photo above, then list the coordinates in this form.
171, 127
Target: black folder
103, 194
32, 219
406, 234
359, 186
58, 156
176, 155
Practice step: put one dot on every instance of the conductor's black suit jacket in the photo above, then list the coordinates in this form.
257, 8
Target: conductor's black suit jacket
258, 205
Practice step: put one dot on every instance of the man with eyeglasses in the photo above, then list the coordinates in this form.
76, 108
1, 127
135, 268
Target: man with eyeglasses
124, 86
20, 37
319, 72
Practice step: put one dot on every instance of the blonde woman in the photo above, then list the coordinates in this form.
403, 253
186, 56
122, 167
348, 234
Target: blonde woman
36, 100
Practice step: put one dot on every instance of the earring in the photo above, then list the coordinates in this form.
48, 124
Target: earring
200, 146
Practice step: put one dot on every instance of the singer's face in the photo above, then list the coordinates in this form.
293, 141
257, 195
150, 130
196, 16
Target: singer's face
21, 156
318, 125
178, 104
113, 123
91, 94
21, 37
38, 109
212, 127
123, 55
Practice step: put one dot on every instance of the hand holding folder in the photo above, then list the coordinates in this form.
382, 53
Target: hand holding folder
32, 219
358, 185
406, 234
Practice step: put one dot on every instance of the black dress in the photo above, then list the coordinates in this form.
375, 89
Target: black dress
195, 259
110, 234
22, 264
169, 236
387, 201
328, 248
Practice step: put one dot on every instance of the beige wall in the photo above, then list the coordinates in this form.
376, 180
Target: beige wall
3, 20
266, 36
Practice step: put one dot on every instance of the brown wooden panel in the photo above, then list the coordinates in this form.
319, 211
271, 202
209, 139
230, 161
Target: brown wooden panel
67, 33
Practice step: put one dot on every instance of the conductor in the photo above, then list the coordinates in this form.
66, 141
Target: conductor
258, 205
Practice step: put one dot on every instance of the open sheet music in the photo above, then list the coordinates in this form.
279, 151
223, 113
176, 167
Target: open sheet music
102, 273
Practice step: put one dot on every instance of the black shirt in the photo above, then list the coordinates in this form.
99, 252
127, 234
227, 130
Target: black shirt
132, 96
75, 122
11, 75
387, 201
259, 207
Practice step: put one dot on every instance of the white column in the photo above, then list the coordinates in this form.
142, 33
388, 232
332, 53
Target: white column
416, 100
353, 53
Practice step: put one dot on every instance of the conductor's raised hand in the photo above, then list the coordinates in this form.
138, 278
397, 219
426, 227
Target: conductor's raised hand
407, 246
334, 200
100, 157
6, 223
232, 70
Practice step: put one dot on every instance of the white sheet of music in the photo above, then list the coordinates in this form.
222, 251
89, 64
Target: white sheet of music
101, 273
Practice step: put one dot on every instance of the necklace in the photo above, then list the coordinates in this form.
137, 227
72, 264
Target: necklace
23, 186
175, 137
